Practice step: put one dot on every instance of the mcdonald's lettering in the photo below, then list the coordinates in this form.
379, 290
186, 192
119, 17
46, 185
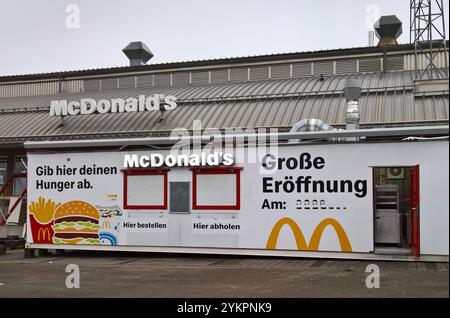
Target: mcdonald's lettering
44, 234
315, 238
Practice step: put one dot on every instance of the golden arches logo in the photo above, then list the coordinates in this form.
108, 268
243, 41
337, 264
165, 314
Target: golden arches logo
106, 224
44, 234
315, 238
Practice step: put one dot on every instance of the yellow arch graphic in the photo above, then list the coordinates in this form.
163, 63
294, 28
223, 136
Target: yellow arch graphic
315, 238
106, 224
44, 234
298, 234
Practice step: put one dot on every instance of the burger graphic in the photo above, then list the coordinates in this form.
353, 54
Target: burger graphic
76, 222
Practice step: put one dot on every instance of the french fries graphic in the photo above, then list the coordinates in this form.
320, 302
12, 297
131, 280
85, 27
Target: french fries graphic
43, 210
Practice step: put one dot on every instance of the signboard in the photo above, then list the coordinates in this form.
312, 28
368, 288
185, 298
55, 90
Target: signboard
309, 198
87, 106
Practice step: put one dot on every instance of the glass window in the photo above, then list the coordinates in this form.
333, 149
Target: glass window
3, 171
20, 183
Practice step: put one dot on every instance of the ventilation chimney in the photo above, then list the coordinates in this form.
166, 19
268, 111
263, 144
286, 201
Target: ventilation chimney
371, 38
352, 92
138, 53
388, 29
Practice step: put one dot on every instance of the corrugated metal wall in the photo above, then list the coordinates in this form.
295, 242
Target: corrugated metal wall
40, 88
440, 60
232, 74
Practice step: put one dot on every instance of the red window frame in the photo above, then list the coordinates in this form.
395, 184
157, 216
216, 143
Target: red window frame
236, 170
144, 172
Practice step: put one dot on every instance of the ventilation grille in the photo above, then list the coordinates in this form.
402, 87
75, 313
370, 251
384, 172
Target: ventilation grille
127, 82
370, 65
301, 69
218, 76
326, 68
144, 81
238, 74
394, 63
109, 83
92, 85
41, 88
346, 66
280, 71
162, 80
200, 77
180, 79
259, 73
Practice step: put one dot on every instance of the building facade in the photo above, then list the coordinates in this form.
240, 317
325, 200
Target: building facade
249, 95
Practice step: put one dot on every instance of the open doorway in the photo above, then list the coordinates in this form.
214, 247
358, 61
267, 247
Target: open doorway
396, 210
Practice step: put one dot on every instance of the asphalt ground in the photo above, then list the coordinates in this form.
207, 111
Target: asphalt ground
173, 275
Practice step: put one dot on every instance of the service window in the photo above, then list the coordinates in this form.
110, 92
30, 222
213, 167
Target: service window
216, 188
145, 189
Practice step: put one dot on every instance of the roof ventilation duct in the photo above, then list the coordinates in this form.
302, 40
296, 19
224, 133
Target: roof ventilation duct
138, 53
388, 29
309, 124
352, 92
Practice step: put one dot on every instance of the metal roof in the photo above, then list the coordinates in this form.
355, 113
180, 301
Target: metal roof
388, 99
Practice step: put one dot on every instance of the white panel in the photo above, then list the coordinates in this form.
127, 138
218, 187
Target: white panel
15, 214
145, 190
216, 189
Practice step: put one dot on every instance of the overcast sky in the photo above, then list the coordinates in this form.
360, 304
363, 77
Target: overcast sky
48, 35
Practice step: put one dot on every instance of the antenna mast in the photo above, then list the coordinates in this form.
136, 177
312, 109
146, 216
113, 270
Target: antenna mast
427, 32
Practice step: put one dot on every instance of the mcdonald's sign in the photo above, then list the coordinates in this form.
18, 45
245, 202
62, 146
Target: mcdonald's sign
44, 234
106, 224
315, 238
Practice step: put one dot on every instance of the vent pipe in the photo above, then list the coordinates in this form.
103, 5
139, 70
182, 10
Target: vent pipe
309, 124
352, 92
371, 38
388, 29
138, 53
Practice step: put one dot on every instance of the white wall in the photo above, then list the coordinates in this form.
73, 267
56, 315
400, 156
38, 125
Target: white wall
433, 158
343, 161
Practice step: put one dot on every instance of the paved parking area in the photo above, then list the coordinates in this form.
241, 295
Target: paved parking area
164, 275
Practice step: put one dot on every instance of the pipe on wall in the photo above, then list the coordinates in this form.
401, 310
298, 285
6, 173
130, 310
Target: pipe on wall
310, 124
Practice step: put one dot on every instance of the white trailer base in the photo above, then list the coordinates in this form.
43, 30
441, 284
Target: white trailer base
243, 252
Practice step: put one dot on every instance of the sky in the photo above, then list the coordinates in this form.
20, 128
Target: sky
38, 36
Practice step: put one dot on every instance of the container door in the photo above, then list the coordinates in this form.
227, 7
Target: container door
415, 212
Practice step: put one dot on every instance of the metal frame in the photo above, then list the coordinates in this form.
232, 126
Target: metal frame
145, 172
280, 137
415, 209
232, 170
4, 217
427, 32
246, 251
